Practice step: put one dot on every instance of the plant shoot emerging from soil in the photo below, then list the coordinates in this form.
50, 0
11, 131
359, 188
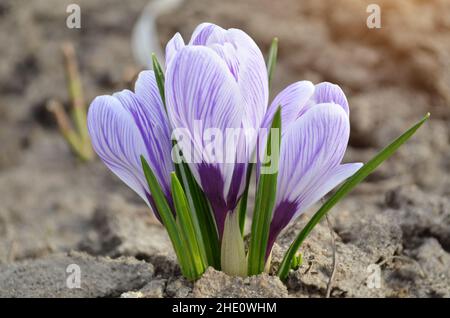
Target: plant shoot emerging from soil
189, 136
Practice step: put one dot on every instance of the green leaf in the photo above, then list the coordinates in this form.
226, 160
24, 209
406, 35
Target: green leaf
264, 202
244, 198
186, 226
159, 75
272, 59
359, 176
297, 261
203, 219
168, 220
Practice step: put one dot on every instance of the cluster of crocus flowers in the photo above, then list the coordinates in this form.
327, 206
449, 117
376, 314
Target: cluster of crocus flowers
216, 83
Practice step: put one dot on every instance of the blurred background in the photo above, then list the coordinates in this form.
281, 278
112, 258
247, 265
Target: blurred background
393, 75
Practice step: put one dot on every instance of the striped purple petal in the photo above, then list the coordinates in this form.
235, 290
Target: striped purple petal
127, 125
118, 142
299, 97
311, 152
206, 34
173, 46
220, 79
202, 94
246, 63
292, 100
252, 78
326, 92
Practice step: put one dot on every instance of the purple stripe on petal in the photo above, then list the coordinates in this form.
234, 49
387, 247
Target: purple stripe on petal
118, 142
151, 117
173, 46
212, 183
330, 93
199, 87
313, 145
328, 182
202, 94
237, 184
154, 132
282, 215
227, 52
299, 97
127, 125
252, 78
214, 62
245, 62
147, 92
310, 156
293, 101
207, 33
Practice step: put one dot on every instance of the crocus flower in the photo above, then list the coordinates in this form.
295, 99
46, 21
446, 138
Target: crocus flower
219, 80
125, 126
315, 133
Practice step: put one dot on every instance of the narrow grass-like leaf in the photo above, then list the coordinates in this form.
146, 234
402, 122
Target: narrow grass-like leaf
159, 75
264, 202
203, 219
272, 59
186, 226
359, 176
168, 220
242, 210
